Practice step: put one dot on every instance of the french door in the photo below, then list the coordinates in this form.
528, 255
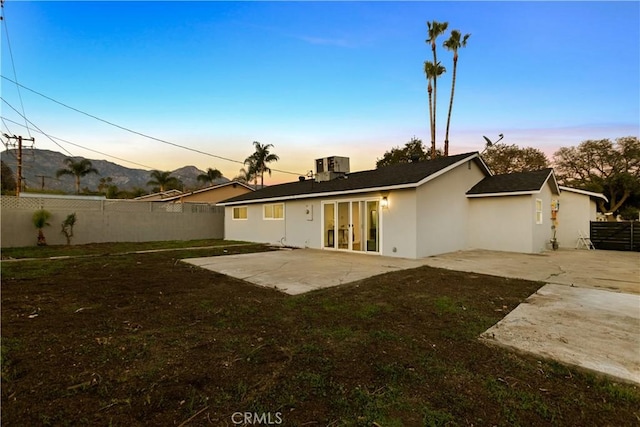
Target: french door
351, 225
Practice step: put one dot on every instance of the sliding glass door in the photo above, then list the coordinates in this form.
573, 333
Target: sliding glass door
351, 225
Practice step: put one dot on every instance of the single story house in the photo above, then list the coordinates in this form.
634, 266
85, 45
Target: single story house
211, 194
409, 210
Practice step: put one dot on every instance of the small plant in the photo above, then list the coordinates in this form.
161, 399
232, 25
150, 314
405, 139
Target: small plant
40, 218
67, 227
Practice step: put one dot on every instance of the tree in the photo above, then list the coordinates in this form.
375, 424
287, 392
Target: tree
602, 166
7, 180
78, 169
210, 176
67, 226
432, 70
413, 151
454, 43
40, 218
434, 30
245, 175
503, 158
258, 160
164, 180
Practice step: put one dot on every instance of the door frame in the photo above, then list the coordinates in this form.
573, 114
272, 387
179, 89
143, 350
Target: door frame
362, 208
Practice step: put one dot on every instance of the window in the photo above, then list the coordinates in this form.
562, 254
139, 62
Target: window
240, 212
275, 211
538, 211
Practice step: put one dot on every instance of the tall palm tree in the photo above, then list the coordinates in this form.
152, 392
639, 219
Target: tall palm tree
162, 179
77, 168
454, 43
432, 71
434, 30
210, 176
259, 160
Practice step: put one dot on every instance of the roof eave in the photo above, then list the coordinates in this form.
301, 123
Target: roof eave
585, 192
504, 193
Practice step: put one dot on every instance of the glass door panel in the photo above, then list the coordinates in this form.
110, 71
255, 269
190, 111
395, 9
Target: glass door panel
357, 226
329, 234
344, 216
372, 226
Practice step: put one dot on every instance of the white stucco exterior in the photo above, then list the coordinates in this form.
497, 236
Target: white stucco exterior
442, 211
509, 222
428, 220
430, 217
576, 212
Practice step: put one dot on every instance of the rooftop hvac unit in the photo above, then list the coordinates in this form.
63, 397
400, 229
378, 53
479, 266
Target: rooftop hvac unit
333, 164
329, 168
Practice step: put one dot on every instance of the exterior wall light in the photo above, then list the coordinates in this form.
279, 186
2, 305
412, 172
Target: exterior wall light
384, 203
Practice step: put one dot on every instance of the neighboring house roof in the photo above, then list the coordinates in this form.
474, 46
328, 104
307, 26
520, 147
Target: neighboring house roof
203, 190
514, 184
403, 175
585, 192
159, 196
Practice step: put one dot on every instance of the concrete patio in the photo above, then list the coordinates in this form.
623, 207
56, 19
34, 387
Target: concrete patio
588, 314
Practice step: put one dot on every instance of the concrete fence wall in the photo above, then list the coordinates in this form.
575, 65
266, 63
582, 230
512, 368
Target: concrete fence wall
109, 221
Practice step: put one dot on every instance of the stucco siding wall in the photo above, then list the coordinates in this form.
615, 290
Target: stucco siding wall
303, 230
398, 221
443, 211
502, 223
576, 210
255, 228
542, 233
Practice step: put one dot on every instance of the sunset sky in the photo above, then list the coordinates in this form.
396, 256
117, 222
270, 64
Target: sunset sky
314, 79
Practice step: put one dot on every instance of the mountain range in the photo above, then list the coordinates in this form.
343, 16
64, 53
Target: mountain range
39, 168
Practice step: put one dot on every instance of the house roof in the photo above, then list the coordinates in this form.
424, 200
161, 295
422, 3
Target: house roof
404, 175
514, 184
211, 188
160, 195
585, 192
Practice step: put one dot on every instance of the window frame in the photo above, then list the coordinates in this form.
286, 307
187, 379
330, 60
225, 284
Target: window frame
273, 212
539, 211
239, 209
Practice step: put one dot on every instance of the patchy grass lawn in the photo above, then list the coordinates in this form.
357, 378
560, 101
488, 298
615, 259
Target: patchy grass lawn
143, 339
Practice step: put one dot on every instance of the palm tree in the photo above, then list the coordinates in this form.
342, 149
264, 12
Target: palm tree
453, 44
434, 30
78, 169
162, 179
245, 175
432, 72
259, 159
40, 218
210, 176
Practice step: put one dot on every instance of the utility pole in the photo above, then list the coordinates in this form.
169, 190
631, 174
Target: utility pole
19, 159
42, 182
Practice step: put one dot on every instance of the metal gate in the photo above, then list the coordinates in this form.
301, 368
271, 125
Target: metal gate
616, 236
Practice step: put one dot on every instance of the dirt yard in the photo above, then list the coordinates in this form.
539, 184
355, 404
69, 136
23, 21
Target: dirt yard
143, 339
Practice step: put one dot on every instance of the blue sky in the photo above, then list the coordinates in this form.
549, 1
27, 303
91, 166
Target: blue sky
316, 79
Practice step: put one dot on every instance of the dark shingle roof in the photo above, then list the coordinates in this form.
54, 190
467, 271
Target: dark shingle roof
404, 174
512, 182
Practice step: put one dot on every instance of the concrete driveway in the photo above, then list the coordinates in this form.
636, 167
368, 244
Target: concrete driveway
588, 314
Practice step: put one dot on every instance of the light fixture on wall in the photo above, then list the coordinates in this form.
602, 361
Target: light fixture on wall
384, 203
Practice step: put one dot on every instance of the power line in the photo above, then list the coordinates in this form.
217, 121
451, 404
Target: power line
13, 65
29, 121
136, 132
88, 149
